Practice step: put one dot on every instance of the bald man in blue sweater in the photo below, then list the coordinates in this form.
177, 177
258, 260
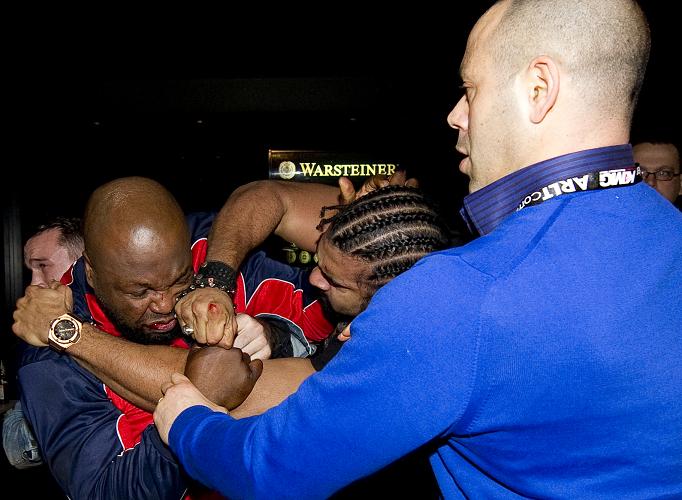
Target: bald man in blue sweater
534, 361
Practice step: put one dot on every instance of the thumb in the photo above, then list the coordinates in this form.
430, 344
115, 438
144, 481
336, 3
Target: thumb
345, 334
256, 367
347, 190
398, 178
177, 378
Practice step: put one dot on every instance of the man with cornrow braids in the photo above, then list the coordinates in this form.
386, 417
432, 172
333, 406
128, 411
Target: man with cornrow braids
377, 237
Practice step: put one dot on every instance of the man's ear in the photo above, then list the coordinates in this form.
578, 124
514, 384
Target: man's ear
542, 84
89, 271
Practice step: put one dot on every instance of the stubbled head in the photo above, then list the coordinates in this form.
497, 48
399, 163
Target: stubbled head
137, 256
373, 240
544, 78
52, 249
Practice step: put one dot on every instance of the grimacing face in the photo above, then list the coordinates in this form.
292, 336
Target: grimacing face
660, 156
47, 259
138, 292
340, 277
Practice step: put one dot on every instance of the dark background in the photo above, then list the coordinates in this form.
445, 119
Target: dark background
195, 98
104, 94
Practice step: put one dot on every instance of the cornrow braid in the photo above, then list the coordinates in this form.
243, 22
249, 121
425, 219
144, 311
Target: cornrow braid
390, 228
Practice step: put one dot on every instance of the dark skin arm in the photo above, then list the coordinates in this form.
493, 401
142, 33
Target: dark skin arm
254, 212
206, 365
133, 371
258, 209
126, 367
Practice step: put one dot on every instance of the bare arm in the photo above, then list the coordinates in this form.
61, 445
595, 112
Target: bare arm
251, 213
256, 210
181, 393
280, 379
133, 371
290, 210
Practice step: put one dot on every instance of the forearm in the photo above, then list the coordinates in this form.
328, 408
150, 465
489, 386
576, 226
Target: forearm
280, 379
258, 209
134, 371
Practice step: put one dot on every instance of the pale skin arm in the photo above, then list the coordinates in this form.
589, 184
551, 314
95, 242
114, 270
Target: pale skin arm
179, 394
280, 379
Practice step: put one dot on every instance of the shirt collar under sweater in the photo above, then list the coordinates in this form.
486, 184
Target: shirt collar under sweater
484, 209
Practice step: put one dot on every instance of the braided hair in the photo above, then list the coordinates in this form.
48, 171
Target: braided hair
390, 228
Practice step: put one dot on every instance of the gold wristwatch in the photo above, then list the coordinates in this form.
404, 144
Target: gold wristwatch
64, 332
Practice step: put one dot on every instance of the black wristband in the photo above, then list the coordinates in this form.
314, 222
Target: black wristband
213, 274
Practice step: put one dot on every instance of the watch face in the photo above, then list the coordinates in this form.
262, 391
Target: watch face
65, 329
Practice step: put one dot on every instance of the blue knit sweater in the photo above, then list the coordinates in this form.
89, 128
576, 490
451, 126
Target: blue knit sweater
541, 360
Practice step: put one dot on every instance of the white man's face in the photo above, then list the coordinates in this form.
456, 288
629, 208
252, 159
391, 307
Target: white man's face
485, 113
47, 259
660, 157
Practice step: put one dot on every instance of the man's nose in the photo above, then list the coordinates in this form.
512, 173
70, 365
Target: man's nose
317, 280
458, 118
162, 302
38, 279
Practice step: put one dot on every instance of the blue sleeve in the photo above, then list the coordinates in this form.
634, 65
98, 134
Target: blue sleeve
403, 380
258, 267
199, 224
75, 425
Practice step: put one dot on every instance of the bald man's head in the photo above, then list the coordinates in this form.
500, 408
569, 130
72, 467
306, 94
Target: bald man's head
131, 213
602, 44
137, 255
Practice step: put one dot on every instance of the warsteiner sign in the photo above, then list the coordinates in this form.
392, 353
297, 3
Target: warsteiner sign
325, 166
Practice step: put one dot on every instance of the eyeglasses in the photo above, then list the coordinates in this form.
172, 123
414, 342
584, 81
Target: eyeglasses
659, 175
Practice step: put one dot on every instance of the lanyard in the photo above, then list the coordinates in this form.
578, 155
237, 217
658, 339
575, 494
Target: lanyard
601, 179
